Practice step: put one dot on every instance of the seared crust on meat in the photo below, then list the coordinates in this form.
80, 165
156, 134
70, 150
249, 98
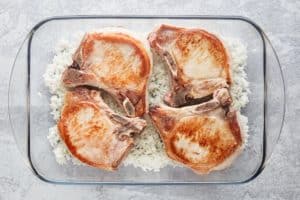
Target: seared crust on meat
93, 133
203, 136
115, 62
197, 60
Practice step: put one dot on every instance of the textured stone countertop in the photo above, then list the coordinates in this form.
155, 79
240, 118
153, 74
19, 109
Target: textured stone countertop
280, 19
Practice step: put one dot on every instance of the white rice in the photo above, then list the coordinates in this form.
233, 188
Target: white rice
148, 153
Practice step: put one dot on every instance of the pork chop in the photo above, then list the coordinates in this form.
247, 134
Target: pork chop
204, 137
197, 61
93, 133
115, 62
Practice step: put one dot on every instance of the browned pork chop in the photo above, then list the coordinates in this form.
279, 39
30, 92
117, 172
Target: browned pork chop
203, 137
93, 133
197, 60
116, 63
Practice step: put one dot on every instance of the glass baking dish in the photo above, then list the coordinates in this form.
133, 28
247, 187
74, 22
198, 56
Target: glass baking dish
30, 118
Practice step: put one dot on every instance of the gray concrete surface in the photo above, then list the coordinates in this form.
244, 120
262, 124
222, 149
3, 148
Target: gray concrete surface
279, 18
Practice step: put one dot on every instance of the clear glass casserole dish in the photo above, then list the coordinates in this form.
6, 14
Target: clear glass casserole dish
30, 117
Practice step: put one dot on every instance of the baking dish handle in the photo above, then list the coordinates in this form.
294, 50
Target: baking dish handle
275, 99
18, 95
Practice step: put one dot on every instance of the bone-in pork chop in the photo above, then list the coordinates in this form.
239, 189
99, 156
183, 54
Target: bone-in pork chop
116, 63
93, 133
197, 60
204, 137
